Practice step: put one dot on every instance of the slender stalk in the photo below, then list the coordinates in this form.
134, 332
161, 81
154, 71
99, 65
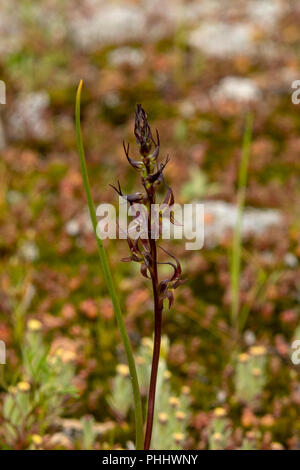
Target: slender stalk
157, 338
109, 281
154, 370
237, 238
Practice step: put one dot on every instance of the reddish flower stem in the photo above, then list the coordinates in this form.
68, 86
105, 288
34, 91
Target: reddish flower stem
153, 378
157, 334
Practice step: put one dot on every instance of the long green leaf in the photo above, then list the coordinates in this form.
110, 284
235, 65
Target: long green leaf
109, 280
237, 237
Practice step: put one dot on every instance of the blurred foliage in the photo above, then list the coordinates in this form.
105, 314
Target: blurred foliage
172, 412
250, 374
32, 404
48, 265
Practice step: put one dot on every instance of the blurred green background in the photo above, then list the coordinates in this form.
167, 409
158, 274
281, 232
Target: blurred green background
197, 67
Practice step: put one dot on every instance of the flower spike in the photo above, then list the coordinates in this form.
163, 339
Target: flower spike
144, 249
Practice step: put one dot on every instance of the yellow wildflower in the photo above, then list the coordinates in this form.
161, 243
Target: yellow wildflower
258, 350
123, 370
36, 439
243, 357
163, 418
178, 437
23, 386
34, 325
174, 402
180, 415
219, 412
256, 372
186, 390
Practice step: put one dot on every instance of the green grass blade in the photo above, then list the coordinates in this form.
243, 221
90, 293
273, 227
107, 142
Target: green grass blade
235, 270
109, 280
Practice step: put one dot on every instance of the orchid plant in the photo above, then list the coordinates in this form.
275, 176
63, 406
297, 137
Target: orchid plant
143, 249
